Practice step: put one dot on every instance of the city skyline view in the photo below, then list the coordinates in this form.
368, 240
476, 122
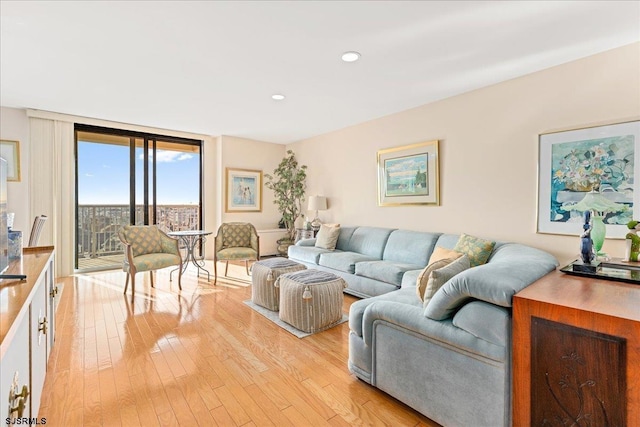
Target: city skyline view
103, 175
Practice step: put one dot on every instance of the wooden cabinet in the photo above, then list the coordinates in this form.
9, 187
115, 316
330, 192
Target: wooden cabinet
27, 313
576, 352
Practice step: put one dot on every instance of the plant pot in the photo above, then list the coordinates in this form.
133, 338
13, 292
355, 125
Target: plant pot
283, 246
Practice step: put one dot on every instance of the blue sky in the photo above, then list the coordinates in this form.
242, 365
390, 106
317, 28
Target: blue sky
103, 176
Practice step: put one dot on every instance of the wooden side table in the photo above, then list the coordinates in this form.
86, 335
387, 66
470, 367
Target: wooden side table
301, 233
576, 352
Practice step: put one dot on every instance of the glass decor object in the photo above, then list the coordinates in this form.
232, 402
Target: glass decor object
596, 203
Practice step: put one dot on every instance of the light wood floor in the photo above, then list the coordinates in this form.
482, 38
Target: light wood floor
198, 356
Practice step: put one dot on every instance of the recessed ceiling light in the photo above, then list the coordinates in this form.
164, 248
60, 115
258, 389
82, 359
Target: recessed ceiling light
351, 56
277, 97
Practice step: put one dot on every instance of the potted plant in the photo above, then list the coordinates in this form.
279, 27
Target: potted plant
288, 183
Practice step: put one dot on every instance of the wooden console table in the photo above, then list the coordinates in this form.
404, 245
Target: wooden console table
576, 352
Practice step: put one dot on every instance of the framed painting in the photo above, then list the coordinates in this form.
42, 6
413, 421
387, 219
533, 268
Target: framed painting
243, 190
10, 151
408, 175
602, 160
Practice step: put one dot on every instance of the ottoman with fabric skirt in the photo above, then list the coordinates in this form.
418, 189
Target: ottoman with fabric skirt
263, 275
311, 300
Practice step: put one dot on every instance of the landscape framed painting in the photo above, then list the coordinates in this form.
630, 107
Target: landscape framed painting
572, 163
10, 151
408, 175
243, 190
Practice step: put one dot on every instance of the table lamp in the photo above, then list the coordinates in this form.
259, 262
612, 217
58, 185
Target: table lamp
317, 203
599, 205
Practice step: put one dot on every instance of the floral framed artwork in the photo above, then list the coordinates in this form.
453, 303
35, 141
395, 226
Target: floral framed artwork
600, 159
10, 151
243, 190
409, 175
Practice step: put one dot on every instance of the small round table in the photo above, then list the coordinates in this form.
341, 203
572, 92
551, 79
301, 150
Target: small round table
191, 238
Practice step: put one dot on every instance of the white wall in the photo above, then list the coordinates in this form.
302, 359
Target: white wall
488, 151
14, 126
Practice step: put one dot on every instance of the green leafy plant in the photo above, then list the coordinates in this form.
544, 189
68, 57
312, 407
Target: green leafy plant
288, 183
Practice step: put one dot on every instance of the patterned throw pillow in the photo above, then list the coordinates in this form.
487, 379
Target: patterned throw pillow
439, 277
442, 253
423, 277
478, 250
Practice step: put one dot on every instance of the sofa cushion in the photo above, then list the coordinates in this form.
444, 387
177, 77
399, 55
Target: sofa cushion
439, 277
512, 268
410, 247
344, 237
369, 241
342, 261
310, 254
328, 236
485, 321
478, 250
385, 271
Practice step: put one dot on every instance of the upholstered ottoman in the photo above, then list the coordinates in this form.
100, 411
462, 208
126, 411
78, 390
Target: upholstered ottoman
263, 275
311, 300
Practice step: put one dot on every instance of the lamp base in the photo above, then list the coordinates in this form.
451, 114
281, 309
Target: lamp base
315, 224
591, 267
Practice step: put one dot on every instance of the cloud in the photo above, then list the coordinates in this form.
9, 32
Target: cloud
168, 156
88, 174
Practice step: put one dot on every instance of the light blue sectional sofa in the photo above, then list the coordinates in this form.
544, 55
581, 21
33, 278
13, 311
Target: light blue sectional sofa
450, 359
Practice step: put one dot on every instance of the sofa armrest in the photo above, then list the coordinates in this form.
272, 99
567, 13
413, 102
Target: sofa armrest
512, 267
306, 242
410, 317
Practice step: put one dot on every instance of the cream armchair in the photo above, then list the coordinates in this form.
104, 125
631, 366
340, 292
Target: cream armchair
236, 241
147, 248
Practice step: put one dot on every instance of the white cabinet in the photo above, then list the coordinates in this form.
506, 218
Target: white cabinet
27, 313
269, 240
14, 371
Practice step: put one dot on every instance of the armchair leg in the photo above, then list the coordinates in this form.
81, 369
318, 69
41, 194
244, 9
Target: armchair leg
133, 286
151, 276
215, 271
180, 277
226, 269
246, 266
126, 283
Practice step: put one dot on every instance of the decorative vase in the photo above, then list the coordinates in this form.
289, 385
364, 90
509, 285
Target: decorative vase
598, 232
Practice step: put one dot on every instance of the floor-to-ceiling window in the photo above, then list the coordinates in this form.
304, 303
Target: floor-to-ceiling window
125, 177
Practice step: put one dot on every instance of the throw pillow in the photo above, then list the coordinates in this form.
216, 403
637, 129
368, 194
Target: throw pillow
442, 253
478, 250
327, 236
423, 277
442, 275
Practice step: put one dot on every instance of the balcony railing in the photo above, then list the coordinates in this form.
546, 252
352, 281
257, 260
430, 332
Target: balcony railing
98, 245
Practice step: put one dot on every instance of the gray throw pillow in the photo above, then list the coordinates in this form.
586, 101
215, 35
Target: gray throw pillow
442, 275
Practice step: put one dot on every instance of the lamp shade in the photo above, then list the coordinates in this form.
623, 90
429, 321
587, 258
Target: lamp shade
317, 203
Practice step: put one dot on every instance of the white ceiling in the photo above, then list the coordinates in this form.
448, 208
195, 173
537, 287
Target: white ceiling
211, 67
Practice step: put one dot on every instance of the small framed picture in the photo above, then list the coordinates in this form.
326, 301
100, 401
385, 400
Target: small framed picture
243, 190
602, 160
408, 175
10, 151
